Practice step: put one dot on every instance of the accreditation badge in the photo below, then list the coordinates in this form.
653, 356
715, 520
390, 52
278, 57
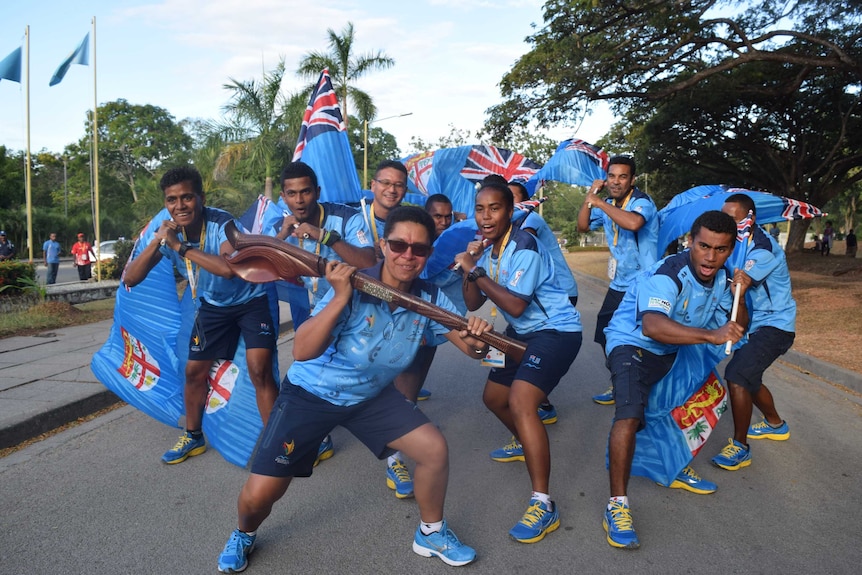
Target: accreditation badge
494, 358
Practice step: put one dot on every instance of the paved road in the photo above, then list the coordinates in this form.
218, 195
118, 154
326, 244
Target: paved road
96, 500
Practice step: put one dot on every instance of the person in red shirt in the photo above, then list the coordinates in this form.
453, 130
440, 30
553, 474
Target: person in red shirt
82, 250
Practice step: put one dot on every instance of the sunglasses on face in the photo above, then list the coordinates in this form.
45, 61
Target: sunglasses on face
419, 250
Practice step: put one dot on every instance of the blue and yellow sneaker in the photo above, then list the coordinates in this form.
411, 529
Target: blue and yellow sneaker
325, 450
689, 480
734, 456
445, 545
514, 451
423, 394
536, 522
548, 414
398, 478
763, 430
187, 446
618, 525
234, 557
606, 398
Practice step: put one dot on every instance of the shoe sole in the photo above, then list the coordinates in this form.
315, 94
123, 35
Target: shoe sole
772, 436
507, 459
426, 552
192, 453
423, 398
391, 485
603, 401
550, 420
682, 485
739, 465
630, 545
549, 529
324, 456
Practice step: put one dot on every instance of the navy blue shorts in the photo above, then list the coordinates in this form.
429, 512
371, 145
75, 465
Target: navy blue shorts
612, 301
634, 371
300, 420
549, 355
216, 332
749, 362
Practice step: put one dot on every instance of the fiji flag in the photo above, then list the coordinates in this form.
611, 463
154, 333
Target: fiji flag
80, 55
10, 66
486, 160
323, 145
576, 162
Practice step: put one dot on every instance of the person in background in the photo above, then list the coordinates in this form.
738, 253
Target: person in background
826, 241
850, 244
775, 232
51, 250
7, 248
82, 250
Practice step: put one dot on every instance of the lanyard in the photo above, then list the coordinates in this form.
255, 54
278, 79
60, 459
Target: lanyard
495, 273
316, 246
623, 207
192, 270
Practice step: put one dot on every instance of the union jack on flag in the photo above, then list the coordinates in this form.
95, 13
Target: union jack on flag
797, 210
323, 114
598, 155
486, 160
743, 227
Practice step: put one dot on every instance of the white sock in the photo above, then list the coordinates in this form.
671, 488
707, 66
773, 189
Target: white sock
618, 499
429, 528
250, 533
393, 458
543, 497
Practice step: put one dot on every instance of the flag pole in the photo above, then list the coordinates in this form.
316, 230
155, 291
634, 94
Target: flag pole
27, 190
96, 162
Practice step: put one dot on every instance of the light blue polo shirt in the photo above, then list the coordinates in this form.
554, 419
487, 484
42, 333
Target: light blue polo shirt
546, 237
526, 270
670, 287
216, 290
371, 345
634, 252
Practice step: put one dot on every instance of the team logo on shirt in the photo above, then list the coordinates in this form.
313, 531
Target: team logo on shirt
362, 238
288, 449
516, 278
659, 303
369, 326
748, 265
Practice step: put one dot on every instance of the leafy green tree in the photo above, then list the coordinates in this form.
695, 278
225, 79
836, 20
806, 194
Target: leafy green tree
345, 68
381, 146
761, 94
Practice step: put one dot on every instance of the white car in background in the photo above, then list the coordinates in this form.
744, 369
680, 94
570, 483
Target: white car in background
106, 251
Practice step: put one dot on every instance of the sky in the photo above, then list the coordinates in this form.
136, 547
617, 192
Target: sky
177, 54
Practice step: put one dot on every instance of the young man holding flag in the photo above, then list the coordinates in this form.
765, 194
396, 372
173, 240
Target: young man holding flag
770, 334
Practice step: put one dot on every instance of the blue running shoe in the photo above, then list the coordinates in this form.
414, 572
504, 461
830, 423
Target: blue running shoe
763, 430
734, 456
398, 478
423, 394
234, 557
689, 480
537, 522
618, 525
445, 545
549, 415
187, 446
514, 451
606, 398
325, 451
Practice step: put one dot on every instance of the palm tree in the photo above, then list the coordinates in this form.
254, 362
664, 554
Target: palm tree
259, 125
344, 69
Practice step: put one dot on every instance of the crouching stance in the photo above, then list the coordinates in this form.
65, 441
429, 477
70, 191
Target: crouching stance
347, 354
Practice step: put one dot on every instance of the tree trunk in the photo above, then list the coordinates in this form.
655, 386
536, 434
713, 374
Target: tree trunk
797, 235
267, 188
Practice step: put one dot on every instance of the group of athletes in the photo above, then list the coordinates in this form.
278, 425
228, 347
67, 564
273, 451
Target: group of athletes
357, 358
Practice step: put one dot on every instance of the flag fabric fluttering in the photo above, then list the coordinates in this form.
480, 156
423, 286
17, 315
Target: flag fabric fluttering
323, 145
486, 160
576, 162
10, 66
80, 55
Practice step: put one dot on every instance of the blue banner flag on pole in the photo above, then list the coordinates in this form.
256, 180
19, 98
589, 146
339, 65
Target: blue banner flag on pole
10, 66
80, 55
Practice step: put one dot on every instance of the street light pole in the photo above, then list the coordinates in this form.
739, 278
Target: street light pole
365, 145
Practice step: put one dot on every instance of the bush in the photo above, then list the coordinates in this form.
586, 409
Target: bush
113, 269
16, 277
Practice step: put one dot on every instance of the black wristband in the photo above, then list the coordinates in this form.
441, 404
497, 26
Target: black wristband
330, 238
184, 247
476, 273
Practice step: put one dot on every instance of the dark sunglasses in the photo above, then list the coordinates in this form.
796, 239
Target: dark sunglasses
419, 250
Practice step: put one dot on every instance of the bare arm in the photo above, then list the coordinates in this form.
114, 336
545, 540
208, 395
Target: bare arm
315, 334
661, 328
465, 341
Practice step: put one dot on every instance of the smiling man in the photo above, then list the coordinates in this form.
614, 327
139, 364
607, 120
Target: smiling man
684, 299
194, 240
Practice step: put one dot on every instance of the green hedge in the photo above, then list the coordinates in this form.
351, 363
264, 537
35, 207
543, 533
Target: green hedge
16, 277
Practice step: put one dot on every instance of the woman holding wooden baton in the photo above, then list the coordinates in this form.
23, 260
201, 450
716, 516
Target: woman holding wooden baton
516, 274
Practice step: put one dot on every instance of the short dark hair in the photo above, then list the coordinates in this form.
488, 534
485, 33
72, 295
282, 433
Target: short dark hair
413, 214
499, 183
715, 221
182, 174
296, 170
743, 200
394, 164
521, 187
624, 160
437, 199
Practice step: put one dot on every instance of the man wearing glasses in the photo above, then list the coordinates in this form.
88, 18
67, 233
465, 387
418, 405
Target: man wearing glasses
388, 186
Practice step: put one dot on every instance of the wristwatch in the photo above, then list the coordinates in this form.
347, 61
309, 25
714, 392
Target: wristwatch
184, 247
330, 237
476, 273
